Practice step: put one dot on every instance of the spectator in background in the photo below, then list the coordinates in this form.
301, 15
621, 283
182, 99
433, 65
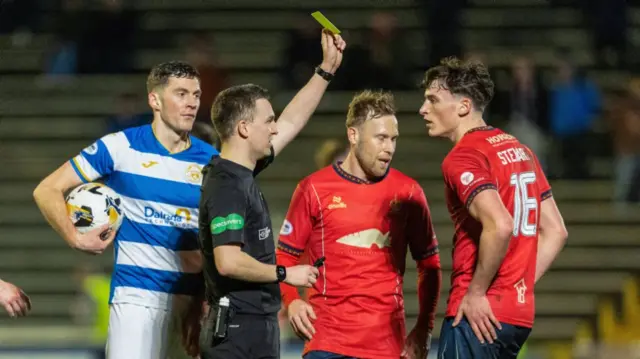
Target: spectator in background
624, 119
574, 104
355, 73
201, 54
17, 18
108, 42
608, 24
331, 151
61, 62
128, 114
526, 106
443, 28
389, 58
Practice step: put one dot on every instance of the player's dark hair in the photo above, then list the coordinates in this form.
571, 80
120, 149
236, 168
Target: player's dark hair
160, 74
370, 104
234, 104
464, 78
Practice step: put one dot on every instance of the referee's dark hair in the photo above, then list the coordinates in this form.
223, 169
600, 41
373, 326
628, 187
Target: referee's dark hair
234, 104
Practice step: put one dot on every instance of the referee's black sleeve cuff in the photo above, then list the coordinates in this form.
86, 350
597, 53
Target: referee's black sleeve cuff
228, 242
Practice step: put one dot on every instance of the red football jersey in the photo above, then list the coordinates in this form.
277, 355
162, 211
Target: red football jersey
363, 230
488, 158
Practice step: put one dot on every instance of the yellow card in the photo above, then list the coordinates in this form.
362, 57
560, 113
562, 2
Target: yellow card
325, 22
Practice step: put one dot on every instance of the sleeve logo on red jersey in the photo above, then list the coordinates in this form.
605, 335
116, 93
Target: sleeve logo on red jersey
287, 228
466, 178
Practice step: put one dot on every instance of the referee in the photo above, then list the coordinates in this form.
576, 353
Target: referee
236, 237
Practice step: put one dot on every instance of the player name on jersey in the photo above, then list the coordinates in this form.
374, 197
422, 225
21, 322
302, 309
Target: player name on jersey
513, 155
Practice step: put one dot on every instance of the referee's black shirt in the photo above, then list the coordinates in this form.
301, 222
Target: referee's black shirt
234, 212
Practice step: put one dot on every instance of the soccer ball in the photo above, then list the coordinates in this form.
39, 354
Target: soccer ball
93, 205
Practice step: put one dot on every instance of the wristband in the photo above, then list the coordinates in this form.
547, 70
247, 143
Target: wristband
324, 74
281, 273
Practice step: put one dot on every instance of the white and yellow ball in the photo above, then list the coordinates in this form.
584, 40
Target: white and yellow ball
92, 205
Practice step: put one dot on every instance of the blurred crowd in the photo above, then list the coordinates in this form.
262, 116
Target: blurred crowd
560, 112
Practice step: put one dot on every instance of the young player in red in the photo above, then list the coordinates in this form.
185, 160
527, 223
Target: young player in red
508, 227
361, 215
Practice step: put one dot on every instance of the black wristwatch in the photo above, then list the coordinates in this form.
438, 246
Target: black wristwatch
328, 76
281, 273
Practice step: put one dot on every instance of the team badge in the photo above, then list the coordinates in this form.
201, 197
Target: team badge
91, 150
194, 173
466, 178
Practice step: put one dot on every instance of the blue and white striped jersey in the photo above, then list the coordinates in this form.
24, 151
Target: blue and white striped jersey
156, 249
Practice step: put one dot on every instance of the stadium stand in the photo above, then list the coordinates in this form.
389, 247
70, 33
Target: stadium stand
590, 295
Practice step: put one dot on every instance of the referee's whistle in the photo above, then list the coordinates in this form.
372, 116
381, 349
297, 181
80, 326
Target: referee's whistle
318, 263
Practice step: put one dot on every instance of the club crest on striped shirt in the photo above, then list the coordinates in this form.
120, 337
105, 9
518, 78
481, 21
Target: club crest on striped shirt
194, 173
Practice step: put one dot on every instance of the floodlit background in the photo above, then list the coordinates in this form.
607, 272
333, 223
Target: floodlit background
74, 70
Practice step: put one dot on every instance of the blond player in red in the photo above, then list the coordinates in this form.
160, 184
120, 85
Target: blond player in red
508, 228
362, 216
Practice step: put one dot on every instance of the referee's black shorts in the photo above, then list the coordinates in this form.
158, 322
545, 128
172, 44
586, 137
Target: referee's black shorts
248, 337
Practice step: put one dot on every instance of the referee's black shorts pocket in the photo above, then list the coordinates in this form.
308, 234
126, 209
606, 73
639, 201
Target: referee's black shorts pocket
236, 345
248, 337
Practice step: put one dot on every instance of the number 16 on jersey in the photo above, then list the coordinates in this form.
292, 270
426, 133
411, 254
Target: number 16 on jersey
523, 205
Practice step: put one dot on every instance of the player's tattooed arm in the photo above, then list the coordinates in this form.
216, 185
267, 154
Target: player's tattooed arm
298, 112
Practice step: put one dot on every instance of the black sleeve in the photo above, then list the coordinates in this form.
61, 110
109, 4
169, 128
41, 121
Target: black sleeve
226, 214
264, 163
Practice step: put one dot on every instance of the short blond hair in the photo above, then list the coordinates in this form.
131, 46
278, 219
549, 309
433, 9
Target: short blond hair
370, 104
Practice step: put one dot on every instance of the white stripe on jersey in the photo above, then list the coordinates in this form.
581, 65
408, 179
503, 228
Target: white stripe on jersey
115, 144
160, 214
155, 257
157, 166
153, 165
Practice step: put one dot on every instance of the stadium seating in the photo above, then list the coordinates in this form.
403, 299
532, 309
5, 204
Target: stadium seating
40, 128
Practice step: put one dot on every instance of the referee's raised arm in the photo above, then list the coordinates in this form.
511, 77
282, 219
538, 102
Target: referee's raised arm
235, 232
